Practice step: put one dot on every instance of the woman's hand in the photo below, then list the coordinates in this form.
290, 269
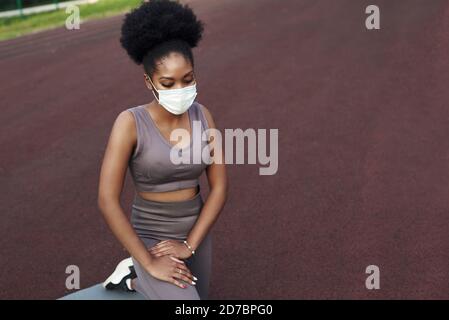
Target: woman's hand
170, 269
171, 247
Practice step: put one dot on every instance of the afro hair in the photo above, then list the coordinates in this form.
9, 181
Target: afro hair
157, 22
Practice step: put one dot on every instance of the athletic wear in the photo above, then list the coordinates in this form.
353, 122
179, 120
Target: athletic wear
152, 170
147, 216
150, 164
165, 220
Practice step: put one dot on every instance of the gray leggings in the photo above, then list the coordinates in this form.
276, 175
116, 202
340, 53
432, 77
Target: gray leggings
156, 221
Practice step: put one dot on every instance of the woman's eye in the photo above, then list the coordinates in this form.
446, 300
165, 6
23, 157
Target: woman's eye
171, 85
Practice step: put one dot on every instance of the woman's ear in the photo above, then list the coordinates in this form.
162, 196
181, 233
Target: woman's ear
147, 82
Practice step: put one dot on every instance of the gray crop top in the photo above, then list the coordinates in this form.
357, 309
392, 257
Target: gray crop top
150, 165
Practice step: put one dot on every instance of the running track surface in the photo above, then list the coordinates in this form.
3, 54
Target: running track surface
363, 175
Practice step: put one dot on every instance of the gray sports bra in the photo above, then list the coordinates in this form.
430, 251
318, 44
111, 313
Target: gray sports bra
150, 165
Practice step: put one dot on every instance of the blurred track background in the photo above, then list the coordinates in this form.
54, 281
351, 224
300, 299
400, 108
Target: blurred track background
363, 174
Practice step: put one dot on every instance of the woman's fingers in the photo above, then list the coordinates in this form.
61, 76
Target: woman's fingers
161, 245
178, 273
182, 265
160, 242
186, 271
177, 260
160, 250
179, 284
161, 254
182, 277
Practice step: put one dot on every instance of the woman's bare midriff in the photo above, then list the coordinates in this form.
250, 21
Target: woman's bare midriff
171, 196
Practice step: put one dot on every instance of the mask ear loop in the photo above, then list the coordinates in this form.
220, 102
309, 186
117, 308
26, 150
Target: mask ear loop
154, 88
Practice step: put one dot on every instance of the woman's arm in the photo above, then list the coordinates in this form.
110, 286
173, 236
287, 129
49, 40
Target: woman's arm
113, 171
216, 175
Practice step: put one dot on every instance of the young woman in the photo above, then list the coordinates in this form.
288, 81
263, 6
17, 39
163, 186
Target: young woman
168, 237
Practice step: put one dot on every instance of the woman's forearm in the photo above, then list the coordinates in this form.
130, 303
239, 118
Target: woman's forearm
209, 214
123, 231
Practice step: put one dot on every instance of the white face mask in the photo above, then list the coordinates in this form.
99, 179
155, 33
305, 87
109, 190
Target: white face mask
176, 101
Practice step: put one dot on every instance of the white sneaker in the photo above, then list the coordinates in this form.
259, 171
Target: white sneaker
122, 276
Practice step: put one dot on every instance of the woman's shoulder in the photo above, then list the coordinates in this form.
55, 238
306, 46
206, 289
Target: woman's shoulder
207, 115
134, 109
129, 118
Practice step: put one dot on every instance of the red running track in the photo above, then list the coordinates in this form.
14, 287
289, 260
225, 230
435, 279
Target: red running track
363, 174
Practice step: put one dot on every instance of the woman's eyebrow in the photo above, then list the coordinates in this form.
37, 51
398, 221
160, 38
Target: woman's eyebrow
170, 78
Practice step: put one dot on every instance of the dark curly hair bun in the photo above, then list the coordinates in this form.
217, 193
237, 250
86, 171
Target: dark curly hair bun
158, 21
